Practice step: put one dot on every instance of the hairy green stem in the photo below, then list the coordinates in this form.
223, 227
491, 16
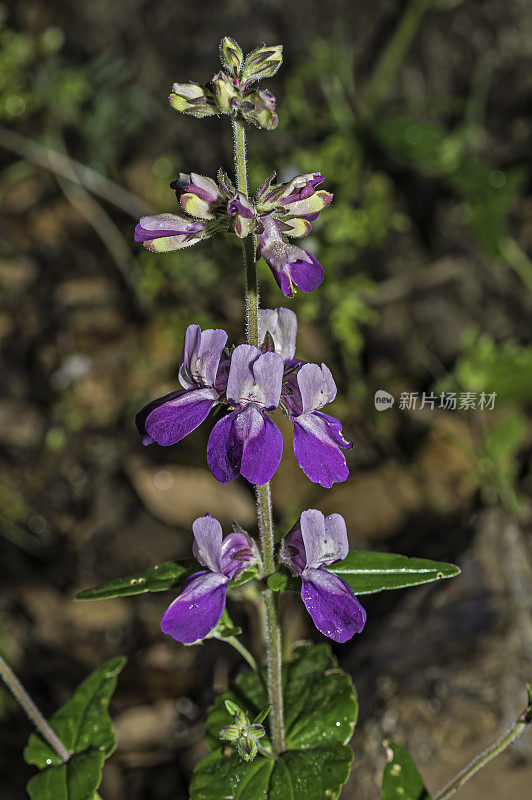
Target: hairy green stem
484, 758
23, 698
264, 503
394, 54
248, 243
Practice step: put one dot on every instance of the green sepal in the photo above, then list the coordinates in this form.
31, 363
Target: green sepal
367, 572
263, 713
231, 55
401, 779
263, 62
161, 578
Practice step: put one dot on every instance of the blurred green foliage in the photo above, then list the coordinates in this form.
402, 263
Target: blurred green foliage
504, 368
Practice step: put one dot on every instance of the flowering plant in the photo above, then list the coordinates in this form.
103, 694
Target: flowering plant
283, 730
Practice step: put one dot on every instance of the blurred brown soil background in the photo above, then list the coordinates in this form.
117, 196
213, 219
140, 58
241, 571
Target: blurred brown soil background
91, 329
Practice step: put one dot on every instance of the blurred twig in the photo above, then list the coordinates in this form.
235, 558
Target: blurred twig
23, 698
391, 59
63, 166
516, 730
100, 220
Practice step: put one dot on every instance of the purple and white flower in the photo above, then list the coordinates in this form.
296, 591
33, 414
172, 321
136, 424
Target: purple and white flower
200, 604
314, 543
203, 376
318, 440
287, 210
247, 442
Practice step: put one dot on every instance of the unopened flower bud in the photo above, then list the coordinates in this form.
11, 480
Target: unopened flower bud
258, 107
242, 734
227, 97
231, 56
262, 63
191, 98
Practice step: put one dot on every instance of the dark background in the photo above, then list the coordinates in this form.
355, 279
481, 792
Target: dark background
419, 115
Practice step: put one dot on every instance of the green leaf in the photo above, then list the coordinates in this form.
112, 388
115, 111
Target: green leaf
170, 575
401, 779
83, 723
321, 709
367, 572
277, 582
78, 779
315, 774
506, 436
320, 702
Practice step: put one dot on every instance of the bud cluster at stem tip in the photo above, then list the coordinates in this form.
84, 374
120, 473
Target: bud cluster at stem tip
230, 91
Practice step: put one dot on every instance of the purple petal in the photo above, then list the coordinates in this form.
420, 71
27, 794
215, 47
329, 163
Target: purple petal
324, 538
224, 450
205, 188
140, 419
160, 225
239, 552
263, 447
316, 387
334, 429
292, 265
200, 357
245, 443
171, 421
255, 377
300, 187
332, 605
292, 550
197, 609
239, 204
207, 547
307, 273
281, 324
317, 451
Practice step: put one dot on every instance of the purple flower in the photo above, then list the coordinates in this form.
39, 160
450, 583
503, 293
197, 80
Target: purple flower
203, 376
198, 607
318, 439
247, 442
286, 210
311, 546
